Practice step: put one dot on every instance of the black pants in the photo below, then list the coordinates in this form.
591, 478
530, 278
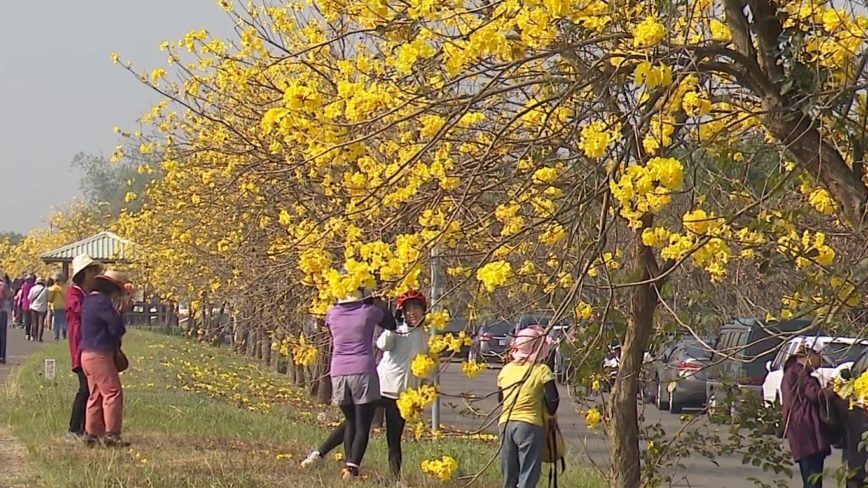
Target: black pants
4, 323
811, 466
79, 405
26, 320
394, 431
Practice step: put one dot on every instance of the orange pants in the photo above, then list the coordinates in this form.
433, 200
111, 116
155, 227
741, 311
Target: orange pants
105, 405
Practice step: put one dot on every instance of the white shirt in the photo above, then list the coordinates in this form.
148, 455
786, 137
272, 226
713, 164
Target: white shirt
38, 298
399, 349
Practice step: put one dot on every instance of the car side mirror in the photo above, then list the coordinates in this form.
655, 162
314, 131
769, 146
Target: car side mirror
846, 374
769, 366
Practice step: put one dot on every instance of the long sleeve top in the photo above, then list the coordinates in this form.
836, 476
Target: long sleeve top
102, 326
400, 348
802, 395
74, 301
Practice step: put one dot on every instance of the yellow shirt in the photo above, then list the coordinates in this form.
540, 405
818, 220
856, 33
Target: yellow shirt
523, 397
57, 297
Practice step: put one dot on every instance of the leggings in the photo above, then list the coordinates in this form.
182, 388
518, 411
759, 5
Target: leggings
394, 430
357, 431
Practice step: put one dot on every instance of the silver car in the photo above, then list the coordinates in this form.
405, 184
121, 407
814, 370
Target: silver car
677, 377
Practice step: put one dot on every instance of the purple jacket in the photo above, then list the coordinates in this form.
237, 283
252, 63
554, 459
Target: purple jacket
802, 395
101, 324
25, 295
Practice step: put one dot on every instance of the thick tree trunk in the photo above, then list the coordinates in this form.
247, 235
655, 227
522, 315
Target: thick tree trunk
623, 415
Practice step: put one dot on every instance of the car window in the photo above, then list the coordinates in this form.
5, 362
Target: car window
761, 347
697, 351
842, 353
860, 366
783, 354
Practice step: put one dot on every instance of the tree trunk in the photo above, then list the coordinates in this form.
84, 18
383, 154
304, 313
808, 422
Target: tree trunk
623, 428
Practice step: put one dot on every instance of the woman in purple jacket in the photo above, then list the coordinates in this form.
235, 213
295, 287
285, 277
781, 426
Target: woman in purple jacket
802, 396
355, 384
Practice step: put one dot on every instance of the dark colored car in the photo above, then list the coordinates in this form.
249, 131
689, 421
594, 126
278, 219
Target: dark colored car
492, 341
676, 381
742, 349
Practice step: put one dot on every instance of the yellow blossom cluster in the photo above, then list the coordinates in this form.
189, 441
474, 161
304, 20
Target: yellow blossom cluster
413, 401
443, 468
641, 189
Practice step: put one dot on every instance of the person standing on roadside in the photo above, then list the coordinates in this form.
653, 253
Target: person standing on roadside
102, 327
84, 273
6, 297
38, 298
24, 305
802, 396
57, 303
526, 389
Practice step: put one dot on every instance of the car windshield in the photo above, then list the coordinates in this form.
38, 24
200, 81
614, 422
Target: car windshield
499, 329
842, 353
697, 351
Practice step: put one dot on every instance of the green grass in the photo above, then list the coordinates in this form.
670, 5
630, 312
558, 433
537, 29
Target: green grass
202, 417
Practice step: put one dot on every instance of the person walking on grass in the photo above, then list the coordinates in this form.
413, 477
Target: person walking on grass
38, 298
526, 387
102, 327
355, 384
84, 273
399, 348
57, 304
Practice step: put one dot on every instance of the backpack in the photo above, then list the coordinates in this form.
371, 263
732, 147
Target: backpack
555, 449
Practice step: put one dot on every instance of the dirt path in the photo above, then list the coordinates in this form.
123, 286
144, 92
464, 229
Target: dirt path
13, 454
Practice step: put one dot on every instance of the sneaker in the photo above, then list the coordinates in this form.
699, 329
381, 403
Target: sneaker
27, 338
350, 473
313, 460
91, 441
114, 440
75, 437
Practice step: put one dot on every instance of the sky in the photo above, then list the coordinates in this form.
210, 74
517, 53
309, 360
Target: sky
60, 93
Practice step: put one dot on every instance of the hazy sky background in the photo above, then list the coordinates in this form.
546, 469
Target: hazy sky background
60, 94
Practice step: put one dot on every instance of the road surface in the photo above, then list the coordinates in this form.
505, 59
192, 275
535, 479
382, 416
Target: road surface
697, 471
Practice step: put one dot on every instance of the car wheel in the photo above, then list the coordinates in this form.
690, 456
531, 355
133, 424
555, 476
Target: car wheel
658, 400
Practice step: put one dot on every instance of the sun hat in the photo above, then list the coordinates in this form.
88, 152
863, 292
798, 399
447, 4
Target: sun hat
530, 343
118, 278
810, 345
82, 262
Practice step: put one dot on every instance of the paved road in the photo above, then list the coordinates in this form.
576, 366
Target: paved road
698, 472
17, 349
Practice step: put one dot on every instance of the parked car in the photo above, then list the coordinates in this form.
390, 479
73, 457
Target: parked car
838, 353
675, 381
741, 351
492, 340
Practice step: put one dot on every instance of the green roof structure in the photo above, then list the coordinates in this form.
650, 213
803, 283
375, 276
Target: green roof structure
106, 247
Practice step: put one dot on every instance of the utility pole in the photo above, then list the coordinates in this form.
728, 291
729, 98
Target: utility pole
437, 307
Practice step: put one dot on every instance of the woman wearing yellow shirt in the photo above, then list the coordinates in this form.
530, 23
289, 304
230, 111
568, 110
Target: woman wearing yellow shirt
526, 386
57, 301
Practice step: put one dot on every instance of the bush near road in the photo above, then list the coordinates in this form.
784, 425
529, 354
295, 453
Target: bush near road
201, 417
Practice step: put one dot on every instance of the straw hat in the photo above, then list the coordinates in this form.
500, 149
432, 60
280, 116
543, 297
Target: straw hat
118, 278
82, 262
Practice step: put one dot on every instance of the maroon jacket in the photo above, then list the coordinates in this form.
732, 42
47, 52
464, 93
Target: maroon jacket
74, 301
802, 394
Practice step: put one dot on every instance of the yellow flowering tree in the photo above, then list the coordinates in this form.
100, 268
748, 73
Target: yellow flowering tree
570, 156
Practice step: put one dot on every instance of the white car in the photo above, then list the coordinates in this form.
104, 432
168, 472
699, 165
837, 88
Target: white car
838, 354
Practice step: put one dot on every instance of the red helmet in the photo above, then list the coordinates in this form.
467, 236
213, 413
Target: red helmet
412, 295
